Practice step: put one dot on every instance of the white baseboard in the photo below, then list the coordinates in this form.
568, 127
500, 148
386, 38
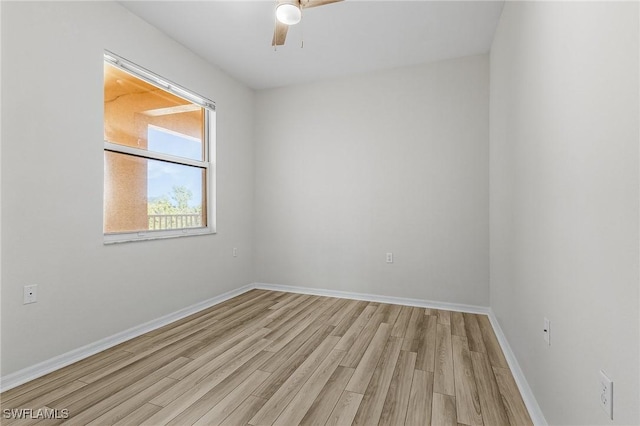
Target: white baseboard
22, 376
527, 394
473, 309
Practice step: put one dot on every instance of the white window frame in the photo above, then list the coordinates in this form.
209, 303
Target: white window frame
208, 163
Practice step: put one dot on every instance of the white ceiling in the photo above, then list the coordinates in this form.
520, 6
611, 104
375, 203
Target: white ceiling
350, 37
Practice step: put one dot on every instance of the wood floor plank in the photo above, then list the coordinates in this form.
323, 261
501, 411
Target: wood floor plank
348, 309
202, 387
17, 397
443, 410
195, 324
136, 341
214, 347
302, 401
242, 314
467, 400
426, 357
161, 363
229, 403
457, 324
394, 410
400, 326
420, 399
174, 341
245, 310
295, 300
279, 400
218, 355
287, 366
245, 411
308, 338
494, 351
250, 304
231, 307
350, 336
276, 296
252, 315
359, 346
345, 409
443, 381
391, 314
360, 379
85, 410
305, 303
335, 305
326, 400
237, 356
513, 403
245, 323
129, 405
280, 340
105, 371
415, 323
198, 408
474, 336
347, 318
371, 405
493, 412
444, 317
284, 301
283, 324
201, 314
139, 415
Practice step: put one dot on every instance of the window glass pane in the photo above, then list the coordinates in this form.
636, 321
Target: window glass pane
169, 142
135, 110
143, 194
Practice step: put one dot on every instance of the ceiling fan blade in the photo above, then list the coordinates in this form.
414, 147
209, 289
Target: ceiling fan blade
314, 3
279, 34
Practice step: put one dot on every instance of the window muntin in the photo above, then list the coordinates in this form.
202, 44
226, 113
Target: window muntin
158, 176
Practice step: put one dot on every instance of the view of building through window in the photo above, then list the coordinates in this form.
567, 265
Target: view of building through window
155, 157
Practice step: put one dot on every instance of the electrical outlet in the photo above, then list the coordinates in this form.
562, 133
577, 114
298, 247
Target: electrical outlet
389, 257
606, 394
547, 331
235, 252
30, 294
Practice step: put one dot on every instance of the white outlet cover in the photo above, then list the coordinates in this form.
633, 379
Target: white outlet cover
606, 394
547, 331
30, 294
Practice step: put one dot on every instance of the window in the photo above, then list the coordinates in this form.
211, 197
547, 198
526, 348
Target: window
159, 140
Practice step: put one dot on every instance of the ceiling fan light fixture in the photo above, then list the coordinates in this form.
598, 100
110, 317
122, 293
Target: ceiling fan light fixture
288, 13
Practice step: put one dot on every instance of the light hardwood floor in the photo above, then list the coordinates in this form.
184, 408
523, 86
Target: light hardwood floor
273, 358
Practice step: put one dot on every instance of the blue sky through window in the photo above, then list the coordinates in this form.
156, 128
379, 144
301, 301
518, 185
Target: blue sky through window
163, 176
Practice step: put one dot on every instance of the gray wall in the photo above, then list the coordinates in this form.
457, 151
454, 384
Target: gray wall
395, 161
564, 201
52, 177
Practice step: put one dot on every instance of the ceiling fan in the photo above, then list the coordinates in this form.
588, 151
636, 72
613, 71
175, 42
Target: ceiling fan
289, 12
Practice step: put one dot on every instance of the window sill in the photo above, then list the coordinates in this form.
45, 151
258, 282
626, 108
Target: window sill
127, 237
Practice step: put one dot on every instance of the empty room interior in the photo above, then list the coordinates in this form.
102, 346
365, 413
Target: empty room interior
320, 212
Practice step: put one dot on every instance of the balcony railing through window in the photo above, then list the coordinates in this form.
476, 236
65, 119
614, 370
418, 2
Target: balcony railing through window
174, 221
